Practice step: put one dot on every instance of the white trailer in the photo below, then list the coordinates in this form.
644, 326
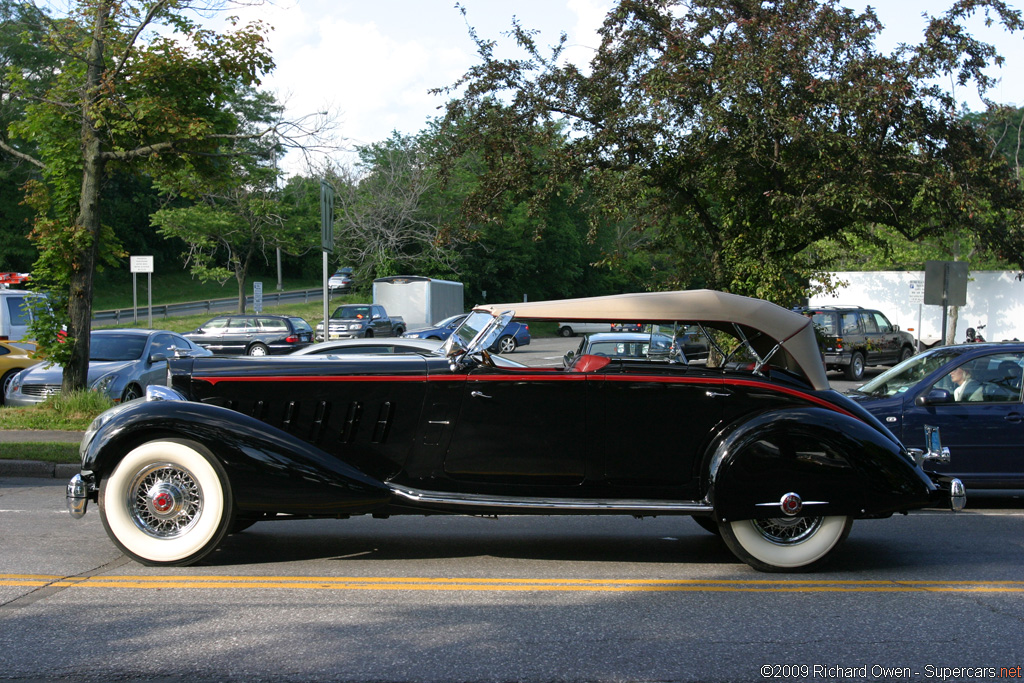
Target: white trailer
421, 301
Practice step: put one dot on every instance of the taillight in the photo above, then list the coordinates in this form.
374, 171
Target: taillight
839, 343
292, 339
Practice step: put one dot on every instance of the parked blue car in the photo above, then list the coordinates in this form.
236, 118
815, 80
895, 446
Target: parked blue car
972, 392
516, 334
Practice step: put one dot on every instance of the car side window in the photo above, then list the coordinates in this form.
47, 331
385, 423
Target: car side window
217, 324
849, 323
272, 325
162, 344
884, 326
868, 321
1000, 377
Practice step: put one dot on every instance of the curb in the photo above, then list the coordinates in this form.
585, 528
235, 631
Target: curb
37, 469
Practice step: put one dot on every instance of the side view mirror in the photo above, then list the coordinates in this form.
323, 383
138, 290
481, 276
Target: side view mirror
157, 357
934, 397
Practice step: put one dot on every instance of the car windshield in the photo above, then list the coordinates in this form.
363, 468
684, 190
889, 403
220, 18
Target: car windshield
907, 374
116, 347
351, 312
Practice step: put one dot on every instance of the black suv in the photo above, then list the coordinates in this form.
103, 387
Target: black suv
852, 338
254, 335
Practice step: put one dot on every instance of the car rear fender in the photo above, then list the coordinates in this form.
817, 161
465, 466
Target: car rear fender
834, 462
269, 469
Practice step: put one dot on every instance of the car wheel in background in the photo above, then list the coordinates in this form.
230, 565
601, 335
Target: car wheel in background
8, 378
855, 370
506, 344
785, 544
906, 353
131, 392
257, 350
565, 331
166, 503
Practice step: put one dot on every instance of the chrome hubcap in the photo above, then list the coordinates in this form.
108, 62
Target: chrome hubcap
164, 500
783, 531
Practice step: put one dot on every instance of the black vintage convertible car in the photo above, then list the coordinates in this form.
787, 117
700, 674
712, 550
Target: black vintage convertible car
752, 443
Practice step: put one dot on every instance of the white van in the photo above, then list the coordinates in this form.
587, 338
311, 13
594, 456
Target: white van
574, 328
14, 314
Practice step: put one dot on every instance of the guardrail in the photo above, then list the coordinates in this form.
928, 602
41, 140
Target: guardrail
118, 316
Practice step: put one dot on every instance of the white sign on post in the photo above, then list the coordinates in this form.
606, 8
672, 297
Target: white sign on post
141, 264
916, 292
257, 296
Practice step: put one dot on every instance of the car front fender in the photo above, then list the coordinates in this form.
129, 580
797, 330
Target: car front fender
269, 469
835, 463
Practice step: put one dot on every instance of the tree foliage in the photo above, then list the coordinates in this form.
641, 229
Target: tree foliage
740, 135
139, 87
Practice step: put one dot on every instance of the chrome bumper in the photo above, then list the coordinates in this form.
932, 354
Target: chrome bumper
957, 495
78, 496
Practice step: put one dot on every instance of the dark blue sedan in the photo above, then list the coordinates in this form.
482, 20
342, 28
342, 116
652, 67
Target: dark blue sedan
515, 335
972, 392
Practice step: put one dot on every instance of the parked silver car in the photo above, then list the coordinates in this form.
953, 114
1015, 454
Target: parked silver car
122, 363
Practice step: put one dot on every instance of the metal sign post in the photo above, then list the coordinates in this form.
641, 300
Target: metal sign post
945, 284
141, 264
326, 237
917, 297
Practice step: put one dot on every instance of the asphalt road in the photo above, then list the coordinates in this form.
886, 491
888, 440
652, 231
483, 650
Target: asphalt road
443, 599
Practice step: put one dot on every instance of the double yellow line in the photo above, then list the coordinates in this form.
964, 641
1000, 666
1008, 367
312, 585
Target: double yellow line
510, 584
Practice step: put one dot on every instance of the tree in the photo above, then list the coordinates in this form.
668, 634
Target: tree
741, 134
140, 87
381, 222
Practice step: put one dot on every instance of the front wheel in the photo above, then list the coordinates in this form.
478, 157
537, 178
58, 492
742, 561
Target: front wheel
7, 381
168, 503
785, 544
131, 392
906, 353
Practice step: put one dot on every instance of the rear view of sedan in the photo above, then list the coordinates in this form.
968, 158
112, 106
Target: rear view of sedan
122, 363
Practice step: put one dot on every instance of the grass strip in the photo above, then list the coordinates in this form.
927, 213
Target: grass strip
45, 452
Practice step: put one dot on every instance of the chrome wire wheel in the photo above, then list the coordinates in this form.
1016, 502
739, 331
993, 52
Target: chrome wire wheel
786, 544
786, 531
167, 502
164, 500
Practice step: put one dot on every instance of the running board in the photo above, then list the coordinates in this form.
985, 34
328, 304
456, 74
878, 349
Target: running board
478, 502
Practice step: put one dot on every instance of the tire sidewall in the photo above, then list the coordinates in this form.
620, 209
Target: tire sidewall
258, 350
747, 543
208, 531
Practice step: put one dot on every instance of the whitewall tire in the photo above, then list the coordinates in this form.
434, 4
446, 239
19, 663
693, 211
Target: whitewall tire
789, 544
166, 503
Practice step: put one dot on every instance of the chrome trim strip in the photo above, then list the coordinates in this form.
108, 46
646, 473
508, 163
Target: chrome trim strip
432, 498
159, 392
776, 503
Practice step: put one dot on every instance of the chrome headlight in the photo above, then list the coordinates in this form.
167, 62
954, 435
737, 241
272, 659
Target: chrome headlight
15, 383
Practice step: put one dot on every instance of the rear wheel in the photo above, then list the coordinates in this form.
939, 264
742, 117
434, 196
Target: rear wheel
855, 370
167, 502
257, 350
565, 331
506, 344
785, 544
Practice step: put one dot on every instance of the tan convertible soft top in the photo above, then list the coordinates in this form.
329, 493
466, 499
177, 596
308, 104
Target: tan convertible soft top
793, 331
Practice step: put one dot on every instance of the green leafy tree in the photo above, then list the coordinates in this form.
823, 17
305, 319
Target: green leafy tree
140, 87
740, 134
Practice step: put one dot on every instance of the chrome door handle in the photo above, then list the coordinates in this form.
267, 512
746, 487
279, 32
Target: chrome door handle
479, 394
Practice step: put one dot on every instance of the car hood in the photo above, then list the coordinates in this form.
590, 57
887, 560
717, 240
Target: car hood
47, 373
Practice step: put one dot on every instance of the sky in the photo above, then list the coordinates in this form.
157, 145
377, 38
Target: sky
372, 63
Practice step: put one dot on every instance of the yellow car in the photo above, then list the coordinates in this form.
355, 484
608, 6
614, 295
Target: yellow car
14, 357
